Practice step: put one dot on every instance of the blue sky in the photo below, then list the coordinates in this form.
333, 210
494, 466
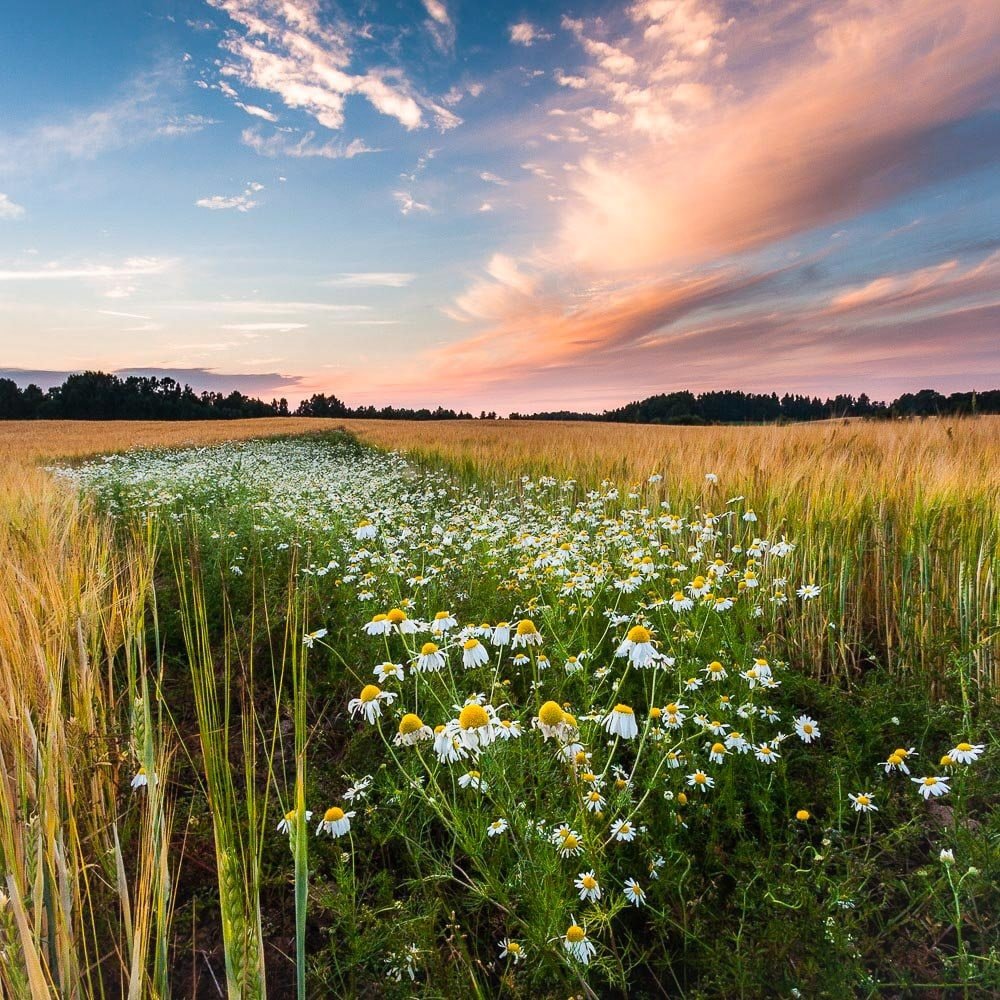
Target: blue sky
500, 206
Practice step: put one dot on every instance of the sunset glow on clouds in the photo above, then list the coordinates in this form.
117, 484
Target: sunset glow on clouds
444, 203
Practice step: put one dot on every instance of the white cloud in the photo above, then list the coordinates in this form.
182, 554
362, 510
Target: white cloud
9, 209
145, 111
264, 327
408, 204
281, 144
485, 207
370, 279
288, 49
525, 33
242, 202
124, 315
492, 178
440, 25
256, 112
573, 82
54, 271
267, 308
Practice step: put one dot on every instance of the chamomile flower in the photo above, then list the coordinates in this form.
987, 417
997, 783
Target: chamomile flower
576, 942
365, 530
379, 625
638, 646
967, 753
622, 829
766, 753
412, 730
399, 622
593, 801
680, 602
430, 660
310, 637
634, 892
620, 721
568, 841
526, 634
287, 824
809, 591
474, 654
475, 726
335, 822
501, 634
512, 949
369, 703
863, 802
386, 671
700, 780
551, 720
141, 779
806, 729
932, 786
715, 671
718, 753
473, 779
497, 827
590, 889
443, 621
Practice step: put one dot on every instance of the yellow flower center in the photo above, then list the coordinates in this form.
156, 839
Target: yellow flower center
623, 710
370, 692
718, 748
900, 752
965, 747
715, 667
594, 797
678, 595
441, 615
699, 778
671, 709
513, 947
863, 800
589, 882
333, 815
571, 841
946, 761
930, 782
575, 934
699, 581
581, 757
551, 714
429, 647
396, 615
802, 815
655, 712
475, 774
380, 618
638, 634
473, 717
526, 627
470, 644
682, 799
410, 723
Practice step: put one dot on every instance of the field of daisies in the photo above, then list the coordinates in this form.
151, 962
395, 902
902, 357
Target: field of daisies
382, 732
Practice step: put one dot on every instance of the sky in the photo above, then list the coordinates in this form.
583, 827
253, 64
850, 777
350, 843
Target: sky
503, 206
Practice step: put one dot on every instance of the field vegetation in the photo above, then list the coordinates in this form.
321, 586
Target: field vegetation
499, 709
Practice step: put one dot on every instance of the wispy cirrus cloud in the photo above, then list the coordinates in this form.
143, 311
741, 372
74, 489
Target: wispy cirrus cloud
370, 279
148, 108
440, 25
130, 267
10, 209
525, 33
242, 202
303, 147
305, 57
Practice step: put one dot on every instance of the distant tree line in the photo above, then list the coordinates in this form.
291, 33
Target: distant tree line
101, 396
734, 407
